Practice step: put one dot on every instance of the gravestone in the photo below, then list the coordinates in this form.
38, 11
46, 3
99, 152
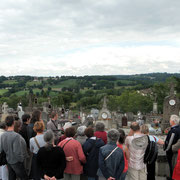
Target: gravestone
95, 113
105, 115
171, 106
155, 108
20, 111
4, 111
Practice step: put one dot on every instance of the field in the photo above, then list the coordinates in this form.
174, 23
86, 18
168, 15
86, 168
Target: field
2, 91
10, 82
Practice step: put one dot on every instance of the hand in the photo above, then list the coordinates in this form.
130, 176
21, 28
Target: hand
53, 178
70, 158
111, 178
47, 177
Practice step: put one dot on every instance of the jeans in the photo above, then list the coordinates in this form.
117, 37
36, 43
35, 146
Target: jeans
17, 170
4, 172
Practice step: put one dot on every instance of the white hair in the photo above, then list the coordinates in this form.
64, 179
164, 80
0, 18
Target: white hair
175, 119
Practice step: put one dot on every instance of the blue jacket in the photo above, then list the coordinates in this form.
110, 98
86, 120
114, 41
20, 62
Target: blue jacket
114, 165
91, 150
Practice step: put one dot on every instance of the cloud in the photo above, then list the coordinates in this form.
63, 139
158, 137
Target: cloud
55, 37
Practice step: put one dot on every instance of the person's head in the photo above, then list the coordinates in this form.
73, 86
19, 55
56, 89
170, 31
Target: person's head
39, 127
54, 115
135, 126
122, 136
174, 120
49, 137
113, 135
70, 132
3, 125
17, 126
144, 129
36, 116
89, 132
26, 118
9, 121
80, 130
100, 126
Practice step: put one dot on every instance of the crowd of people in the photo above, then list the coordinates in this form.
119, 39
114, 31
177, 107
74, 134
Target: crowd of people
33, 151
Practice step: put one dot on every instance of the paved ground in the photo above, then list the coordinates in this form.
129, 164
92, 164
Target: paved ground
160, 178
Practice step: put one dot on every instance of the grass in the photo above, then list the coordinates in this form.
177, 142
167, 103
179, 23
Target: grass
32, 83
10, 82
67, 83
2, 91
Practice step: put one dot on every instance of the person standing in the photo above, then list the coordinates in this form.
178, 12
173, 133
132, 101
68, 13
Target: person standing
120, 144
151, 167
51, 158
111, 158
11, 144
35, 144
171, 139
91, 150
3, 168
53, 126
136, 166
74, 155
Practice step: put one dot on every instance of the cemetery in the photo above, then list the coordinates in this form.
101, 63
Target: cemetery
158, 123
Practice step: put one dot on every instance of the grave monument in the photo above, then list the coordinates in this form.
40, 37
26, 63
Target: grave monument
171, 106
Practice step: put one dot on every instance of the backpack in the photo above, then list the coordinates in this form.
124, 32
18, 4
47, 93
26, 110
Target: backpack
151, 152
3, 160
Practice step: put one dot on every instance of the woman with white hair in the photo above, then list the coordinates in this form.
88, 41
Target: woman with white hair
51, 159
80, 136
111, 158
171, 139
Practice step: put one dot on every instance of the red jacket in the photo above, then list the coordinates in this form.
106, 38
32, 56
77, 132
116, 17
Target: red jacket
73, 148
102, 135
176, 172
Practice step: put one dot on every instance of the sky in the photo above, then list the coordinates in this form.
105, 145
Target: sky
89, 37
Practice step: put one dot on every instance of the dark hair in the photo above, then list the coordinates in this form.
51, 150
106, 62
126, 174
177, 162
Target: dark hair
121, 136
100, 126
36, 116
70, 132
25, 117
89, 132
17, 125
135, 126
2, 125
53, 114
9, 121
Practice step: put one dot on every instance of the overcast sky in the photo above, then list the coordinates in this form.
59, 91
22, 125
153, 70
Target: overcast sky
89, 37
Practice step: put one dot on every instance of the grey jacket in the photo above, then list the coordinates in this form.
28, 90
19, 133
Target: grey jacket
11, 143
53, 125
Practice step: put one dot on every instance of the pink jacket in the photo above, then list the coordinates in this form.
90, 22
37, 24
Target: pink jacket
73, 148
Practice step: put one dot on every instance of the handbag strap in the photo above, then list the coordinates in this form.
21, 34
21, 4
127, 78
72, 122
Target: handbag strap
65, 143
111, 153
36, 142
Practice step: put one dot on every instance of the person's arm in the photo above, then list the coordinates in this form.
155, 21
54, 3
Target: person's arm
81, 155
102, 165
176, 146
126, 152
121, 165
17, 148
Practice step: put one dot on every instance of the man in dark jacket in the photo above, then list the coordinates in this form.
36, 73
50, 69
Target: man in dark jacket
111, 158
172, 137
91, 150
